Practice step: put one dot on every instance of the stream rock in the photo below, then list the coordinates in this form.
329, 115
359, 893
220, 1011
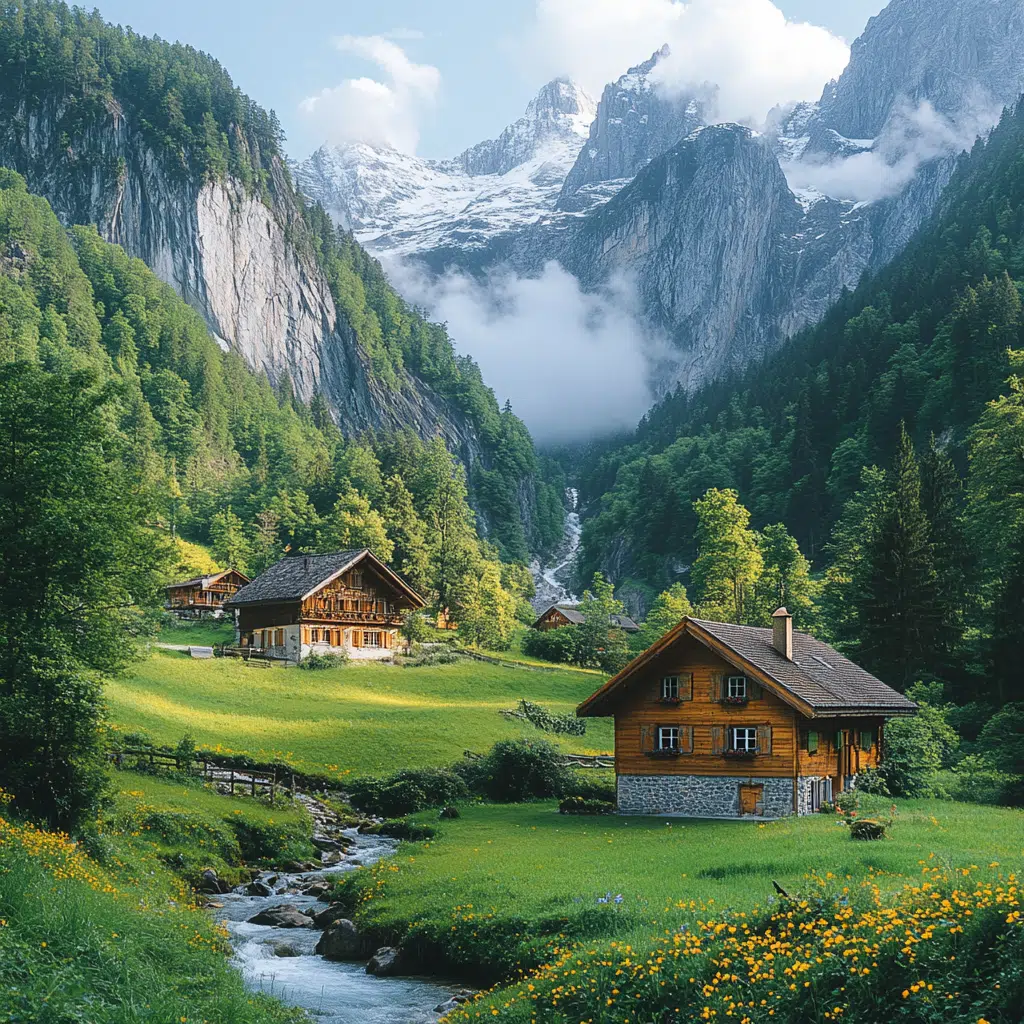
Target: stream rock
454, 1003
326, 917
385, 963
285, 949
317, 889
258, 888
211, 882
286, 915
331, 857
342, 941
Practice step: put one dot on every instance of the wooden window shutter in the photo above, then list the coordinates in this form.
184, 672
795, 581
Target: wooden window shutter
839, 739
718, 739
812, 741
305, 634
386, 637
686, 686
764, 739
646, 739
686, 739
867, 739
717, 687
754, 690
357, 638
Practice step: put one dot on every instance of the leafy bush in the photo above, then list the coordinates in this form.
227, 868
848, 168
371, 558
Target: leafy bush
869, 780
915, 749
517, 770
847, 802
562, 645
826, 808
402, 828
449, 813
867, 829
590, 787
426, 658
977, 780
321, 662
413, 789
578, 805
1003, 738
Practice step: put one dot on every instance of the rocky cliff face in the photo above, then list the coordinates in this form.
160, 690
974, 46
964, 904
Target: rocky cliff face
228, 254
635, 122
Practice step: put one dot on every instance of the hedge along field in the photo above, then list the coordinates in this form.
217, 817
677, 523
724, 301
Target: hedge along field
491, 892
360, 718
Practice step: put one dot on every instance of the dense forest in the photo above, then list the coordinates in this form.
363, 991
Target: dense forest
202, 128
224, 458
887, 439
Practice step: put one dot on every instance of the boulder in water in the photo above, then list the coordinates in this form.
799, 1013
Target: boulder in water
341, 941
326, 917
211, 882
331, 858
258, 888
385, 963
286, 915
316, 889
285, 949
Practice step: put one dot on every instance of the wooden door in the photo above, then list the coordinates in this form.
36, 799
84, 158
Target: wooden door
750, 799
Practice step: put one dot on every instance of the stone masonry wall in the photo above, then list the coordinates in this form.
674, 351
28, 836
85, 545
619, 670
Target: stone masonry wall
699, 795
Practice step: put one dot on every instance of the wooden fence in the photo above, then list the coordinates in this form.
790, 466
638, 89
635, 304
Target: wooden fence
227, 778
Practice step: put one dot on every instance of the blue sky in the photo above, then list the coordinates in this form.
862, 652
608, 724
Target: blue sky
488, 55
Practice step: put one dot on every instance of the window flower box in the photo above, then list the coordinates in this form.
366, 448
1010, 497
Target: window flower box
670, 700
735, 700
664, 754
741, 755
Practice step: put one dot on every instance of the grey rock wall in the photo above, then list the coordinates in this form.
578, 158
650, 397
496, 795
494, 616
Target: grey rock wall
699, 796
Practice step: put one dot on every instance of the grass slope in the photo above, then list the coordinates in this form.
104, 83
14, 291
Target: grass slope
359, 719
201, 633
497, 884
113, 937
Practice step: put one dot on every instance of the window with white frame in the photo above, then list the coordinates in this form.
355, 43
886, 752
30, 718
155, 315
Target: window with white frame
670, 688
668, 737
314, 636
736, 687
744, 739
356, 581
371, 638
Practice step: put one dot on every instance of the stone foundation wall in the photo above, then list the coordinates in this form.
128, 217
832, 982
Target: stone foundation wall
713, 796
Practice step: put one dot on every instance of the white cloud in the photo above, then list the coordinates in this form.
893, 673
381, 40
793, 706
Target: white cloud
575, 365
379, 113
914, 135
748, 48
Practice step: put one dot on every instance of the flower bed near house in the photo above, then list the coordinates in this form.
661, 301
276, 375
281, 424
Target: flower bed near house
666, 753
741, 755
735, 700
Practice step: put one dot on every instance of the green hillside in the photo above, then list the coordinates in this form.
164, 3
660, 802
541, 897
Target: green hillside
360, 719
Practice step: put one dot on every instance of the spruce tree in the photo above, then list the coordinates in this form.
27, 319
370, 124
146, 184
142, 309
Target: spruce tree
1006, 650
407, 532
901, 621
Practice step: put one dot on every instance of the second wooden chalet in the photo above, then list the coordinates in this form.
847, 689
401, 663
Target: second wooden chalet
349, 601
717, 720
205, 595
557, 615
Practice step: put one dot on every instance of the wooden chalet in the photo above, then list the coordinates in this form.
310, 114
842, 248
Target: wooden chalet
558, 615
205, 595
349, 601
717, 720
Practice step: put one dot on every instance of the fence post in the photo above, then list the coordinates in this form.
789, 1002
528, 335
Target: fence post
293, 785
252, 780
232, 781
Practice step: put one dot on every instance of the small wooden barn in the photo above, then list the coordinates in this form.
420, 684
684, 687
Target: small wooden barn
558, 615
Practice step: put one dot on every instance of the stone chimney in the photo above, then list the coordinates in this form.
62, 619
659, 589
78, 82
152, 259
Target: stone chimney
782, 633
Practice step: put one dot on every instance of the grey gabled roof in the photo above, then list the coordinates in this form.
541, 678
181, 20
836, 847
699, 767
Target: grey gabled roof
575, 616
200, 581
819, 680
818, 674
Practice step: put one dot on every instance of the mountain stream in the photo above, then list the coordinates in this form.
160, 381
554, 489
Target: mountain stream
551, 581
282, 961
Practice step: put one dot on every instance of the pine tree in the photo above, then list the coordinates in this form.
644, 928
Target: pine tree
1006, 648
785, 579
407, 532
228, 542
900, 614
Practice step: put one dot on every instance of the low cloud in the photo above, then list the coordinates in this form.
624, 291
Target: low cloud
913, 136
747, 48
385, 113
576, 365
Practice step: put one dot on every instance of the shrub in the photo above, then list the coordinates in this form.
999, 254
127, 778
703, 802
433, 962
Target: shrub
977, 780
847, 802
321, 662
578, 805
914, 749
402, 828
591, 788
517, 770
449, 813
826, 808
1003, 738
867, 829
869, 780
426, 658
545, 720
561, 645
413, 789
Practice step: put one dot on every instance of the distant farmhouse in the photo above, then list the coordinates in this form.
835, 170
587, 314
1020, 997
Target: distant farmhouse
717, 720
204, 596
569, 615
349, 601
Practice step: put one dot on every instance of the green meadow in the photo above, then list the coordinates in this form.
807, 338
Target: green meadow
493, 888
359, 718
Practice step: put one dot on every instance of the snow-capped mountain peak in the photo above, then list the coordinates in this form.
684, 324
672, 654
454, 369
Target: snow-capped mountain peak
404, 203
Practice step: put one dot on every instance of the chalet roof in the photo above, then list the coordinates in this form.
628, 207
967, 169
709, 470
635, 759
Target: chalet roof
204, 581
819, 681
298, 576
575, 616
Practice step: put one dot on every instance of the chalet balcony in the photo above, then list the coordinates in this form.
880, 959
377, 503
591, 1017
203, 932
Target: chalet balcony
353, 618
